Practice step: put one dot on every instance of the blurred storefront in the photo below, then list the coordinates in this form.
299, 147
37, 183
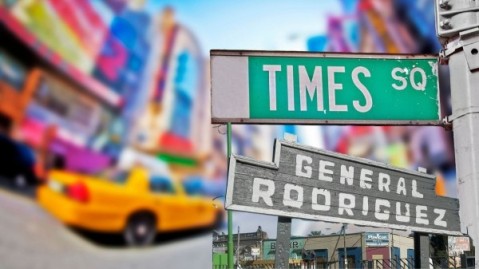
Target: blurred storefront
15, 93
174, 122
92, 78
68, 117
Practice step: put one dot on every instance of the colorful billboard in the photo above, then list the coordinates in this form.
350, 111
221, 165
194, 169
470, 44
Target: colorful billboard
175, 107
117, 44
103, 41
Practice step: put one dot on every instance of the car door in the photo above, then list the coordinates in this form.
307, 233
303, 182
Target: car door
172, 209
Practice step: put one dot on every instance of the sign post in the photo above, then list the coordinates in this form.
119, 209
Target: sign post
457, 26
283, 239
230, 214
421, 250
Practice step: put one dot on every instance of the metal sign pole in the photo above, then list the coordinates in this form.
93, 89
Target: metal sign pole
283, 239
238, 249
464, 74
283, 234
230, 213
457, 26
345, 247
421, 250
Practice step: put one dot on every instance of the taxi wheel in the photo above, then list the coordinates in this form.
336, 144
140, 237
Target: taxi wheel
140, 230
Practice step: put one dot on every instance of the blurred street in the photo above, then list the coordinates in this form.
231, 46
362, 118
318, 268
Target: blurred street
33, 239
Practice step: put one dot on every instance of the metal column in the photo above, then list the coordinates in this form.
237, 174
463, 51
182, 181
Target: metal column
283, 239
457, 26
230, 213
464, 74
421, 251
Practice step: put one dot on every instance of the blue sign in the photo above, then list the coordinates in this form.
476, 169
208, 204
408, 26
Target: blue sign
377, 239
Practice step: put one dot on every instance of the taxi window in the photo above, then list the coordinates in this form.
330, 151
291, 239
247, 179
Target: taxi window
161, 185
120, 177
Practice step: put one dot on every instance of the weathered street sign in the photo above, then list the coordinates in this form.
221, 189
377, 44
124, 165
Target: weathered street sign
309, 183
313, 88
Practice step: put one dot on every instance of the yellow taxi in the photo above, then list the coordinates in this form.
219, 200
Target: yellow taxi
134, 203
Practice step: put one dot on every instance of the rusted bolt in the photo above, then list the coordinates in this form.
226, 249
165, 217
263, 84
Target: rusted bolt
445, 24
444, 4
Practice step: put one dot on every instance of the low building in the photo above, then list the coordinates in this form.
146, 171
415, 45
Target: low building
363, 250
368, 249
295, 248
250, 244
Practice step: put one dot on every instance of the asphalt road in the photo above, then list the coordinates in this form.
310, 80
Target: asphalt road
32, 239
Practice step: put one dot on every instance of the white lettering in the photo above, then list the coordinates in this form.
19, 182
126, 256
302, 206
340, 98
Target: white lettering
288, 201
367, 96
289, 72
421, 216
323, 170
347, 175
327, 199
346, 207
401, 187
421, 86
264, 194
272, 69
384, 181
415, 193
365, 205
333, 87
402, 80
301, 169
384, 215
312, 87
399, 216
365, 178
439, 221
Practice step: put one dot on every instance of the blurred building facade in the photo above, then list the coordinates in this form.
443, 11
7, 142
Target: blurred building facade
84, 81
375, 26
91, 78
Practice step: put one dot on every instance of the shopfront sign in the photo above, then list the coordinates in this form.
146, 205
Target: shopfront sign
458, 244
377, 239
319, 88
308, 183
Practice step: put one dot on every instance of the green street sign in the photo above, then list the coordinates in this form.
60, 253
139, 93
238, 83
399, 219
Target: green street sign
319, 88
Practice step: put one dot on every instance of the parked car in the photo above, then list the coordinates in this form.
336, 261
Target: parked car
17, 162
132, 203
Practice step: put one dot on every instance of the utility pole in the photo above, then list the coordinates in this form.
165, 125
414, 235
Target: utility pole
457, 24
